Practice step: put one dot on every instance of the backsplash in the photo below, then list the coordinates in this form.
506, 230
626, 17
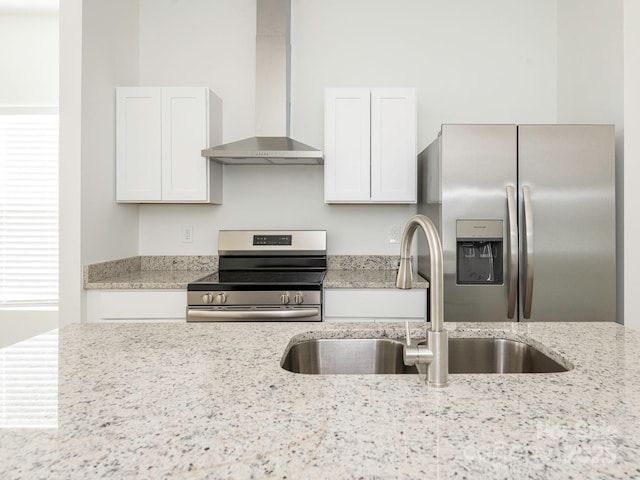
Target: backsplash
363, 262
98, 271
204, 263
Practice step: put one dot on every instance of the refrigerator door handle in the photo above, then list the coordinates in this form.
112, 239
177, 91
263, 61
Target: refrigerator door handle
512, 260
527, 247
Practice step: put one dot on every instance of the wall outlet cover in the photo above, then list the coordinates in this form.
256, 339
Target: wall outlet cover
187, 233
394, 234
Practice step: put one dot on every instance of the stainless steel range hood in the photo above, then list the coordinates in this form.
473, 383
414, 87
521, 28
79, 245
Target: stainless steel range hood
272, 145
264, 151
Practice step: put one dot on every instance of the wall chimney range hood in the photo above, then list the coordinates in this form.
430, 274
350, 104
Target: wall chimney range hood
272, 144
264, 151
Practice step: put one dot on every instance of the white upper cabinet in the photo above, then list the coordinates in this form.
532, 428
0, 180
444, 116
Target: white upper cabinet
159, 135
370, 145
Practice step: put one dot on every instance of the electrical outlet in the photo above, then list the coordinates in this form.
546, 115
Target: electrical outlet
394, 234
187, 233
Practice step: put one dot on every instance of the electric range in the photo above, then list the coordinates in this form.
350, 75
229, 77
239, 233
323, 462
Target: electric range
263, 275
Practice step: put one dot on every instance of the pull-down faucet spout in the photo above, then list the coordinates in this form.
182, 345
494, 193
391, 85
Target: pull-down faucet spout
436, 353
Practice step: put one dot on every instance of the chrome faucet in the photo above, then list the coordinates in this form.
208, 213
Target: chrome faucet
436, 352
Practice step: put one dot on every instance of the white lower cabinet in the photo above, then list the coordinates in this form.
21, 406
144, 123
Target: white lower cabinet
105, 306
370, 304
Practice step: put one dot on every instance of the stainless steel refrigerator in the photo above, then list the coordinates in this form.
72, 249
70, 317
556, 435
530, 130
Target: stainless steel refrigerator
526, 215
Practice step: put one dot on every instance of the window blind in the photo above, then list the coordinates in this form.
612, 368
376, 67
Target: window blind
29, 383
28, 208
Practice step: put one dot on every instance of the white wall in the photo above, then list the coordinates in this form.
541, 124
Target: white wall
208, 43
471, 62
98, 50
28, 58
109, 59
70, 288
489, 61
632, 162
270, 197
590, 61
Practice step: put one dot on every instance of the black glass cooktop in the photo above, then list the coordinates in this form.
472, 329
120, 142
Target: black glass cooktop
260, 280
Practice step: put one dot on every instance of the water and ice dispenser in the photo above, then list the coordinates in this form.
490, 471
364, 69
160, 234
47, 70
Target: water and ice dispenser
479, 252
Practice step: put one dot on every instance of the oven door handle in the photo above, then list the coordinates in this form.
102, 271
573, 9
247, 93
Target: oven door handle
222, 315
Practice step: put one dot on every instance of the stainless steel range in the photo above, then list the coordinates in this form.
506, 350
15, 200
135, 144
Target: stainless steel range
266, 275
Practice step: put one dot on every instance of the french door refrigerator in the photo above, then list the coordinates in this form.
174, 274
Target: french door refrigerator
526, 215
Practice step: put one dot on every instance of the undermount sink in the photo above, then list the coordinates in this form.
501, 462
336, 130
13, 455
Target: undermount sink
327, 356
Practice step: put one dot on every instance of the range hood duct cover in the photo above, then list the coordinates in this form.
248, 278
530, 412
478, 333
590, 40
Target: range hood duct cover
272, 145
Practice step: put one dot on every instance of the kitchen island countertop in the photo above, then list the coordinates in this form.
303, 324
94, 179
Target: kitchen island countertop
211, 401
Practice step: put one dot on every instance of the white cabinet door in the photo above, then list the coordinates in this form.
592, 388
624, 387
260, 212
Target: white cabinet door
160, 134
138, 145
370, 145
393, 145
347, 131
136, 306
184, 135
370, 305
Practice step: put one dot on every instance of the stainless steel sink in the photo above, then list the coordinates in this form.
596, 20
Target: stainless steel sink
346, 356
384, 356
498, 355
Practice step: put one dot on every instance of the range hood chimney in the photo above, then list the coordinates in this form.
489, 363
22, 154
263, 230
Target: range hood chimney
272, 145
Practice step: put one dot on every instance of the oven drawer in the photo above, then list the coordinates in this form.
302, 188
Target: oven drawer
255, 313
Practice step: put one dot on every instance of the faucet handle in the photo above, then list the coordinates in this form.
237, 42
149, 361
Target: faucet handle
407, 333
415, 355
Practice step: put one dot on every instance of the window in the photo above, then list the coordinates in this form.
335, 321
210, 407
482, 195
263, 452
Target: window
28, 207
29, 383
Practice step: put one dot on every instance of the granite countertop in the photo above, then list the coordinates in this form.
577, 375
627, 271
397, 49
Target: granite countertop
345, 271
211, 401
148, 272
358, 278
147, 280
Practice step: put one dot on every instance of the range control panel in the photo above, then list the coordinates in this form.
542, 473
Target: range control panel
272, 242
272, 239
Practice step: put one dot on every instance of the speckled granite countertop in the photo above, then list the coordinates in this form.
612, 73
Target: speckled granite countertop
211, 401
367, 279
171, 272
148, 272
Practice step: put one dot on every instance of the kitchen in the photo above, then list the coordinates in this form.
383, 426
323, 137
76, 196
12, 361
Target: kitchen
498, 92
153, 223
